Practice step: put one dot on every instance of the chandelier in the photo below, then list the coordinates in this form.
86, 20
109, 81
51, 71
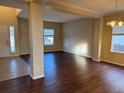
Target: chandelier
115, 21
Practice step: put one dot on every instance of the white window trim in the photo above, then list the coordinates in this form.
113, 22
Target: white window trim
12, 52
48, 36
117, 52
117, 34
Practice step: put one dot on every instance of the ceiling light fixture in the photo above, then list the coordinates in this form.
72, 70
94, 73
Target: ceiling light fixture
115, 21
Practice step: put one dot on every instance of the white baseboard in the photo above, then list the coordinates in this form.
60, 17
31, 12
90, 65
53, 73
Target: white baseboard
96, 60
37, 77
24, 53
15, 55
52, 51
113, 62
77, 54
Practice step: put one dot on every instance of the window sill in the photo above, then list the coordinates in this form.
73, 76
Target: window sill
48, 45
118, 52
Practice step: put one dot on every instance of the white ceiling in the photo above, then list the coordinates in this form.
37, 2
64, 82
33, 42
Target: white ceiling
54, 15
101, 6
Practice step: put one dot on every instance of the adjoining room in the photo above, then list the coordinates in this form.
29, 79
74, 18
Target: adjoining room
61, 46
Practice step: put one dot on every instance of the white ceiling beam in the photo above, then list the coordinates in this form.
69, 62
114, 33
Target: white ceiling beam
66, 7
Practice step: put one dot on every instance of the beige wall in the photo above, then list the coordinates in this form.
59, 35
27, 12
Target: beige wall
23, 28
24, 36
106, 54
78, 37
8, 18
58, 36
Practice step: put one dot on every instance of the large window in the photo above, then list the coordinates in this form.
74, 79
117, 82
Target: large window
118, 39
12, 39
48, 37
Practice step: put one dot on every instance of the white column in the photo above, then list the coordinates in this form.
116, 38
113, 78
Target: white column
36, 40
97, 41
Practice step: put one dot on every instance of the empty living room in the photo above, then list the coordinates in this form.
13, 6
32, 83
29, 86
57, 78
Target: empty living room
61, 46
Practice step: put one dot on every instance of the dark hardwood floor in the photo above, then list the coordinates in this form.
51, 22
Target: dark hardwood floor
68, 73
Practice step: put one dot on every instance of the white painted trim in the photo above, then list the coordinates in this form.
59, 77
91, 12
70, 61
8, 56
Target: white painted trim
77, 7
37, 77
117, 52
113, 62
52, 51
76, 54
24, 53
14, 55
96, 60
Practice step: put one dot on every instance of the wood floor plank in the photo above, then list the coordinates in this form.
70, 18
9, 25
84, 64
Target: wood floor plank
68, 73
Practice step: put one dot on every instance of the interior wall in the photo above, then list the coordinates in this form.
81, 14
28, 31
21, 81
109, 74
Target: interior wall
78, 37
58, 36
107, 55
7, 18
24, 43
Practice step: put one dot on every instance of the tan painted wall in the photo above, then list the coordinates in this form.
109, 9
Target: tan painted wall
78, 37
24, 36
24, 43
106, 54
7, 18
58, 36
